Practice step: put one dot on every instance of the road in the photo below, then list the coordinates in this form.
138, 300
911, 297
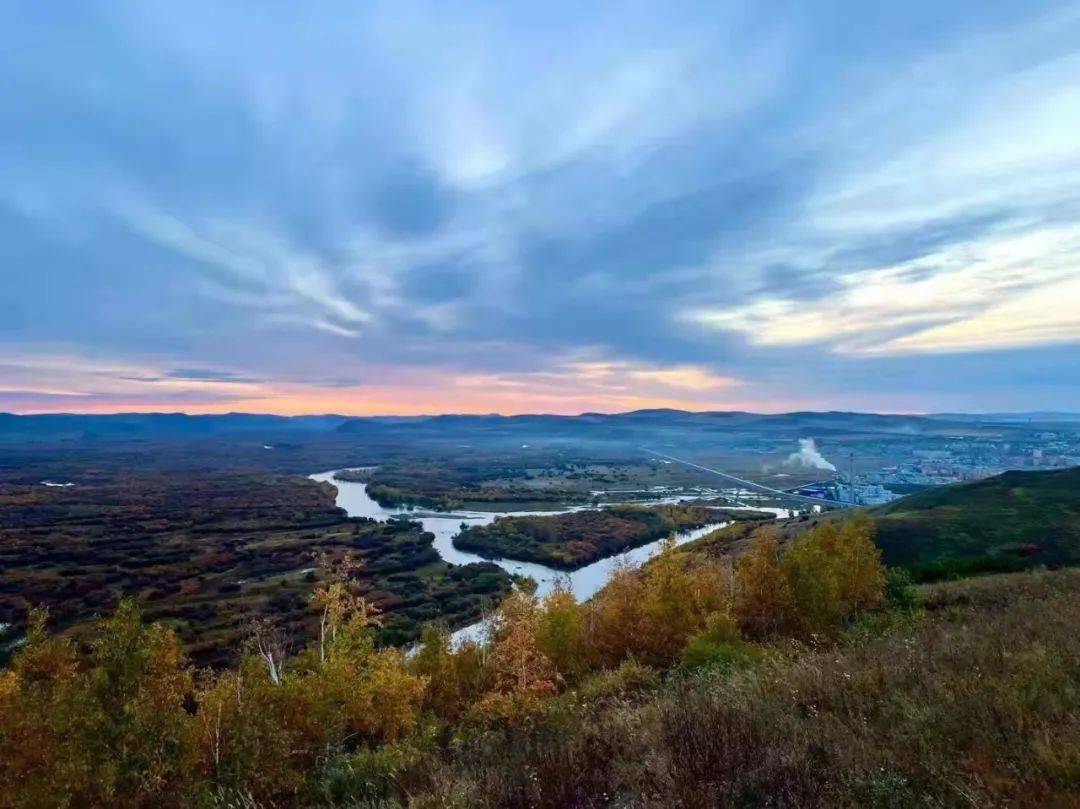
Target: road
820, 501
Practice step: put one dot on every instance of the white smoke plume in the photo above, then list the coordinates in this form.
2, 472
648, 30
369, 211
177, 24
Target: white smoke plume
808, 457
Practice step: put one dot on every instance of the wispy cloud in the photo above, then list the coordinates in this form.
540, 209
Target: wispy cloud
718, 204
1001, 292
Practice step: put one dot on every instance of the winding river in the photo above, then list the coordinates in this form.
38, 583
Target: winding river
585, 582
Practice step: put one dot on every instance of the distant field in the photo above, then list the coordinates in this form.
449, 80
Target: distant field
488, 481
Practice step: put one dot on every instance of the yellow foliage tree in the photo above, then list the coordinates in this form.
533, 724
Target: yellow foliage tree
649, 614
763, 599
523, 676
110, 729
614, 617
256, 737
680, 594
813, 581
560, 633
861, 574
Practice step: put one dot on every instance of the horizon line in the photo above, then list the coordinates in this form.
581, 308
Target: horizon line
489, 414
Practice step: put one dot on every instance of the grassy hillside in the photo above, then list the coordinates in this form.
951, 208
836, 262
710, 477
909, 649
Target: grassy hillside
926, 711
1013, 520
967, 699
1007, 523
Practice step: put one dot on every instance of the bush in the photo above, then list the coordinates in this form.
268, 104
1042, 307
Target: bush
368, 776
899, 591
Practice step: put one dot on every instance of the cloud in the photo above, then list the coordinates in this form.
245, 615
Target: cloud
1005, 291
208, 375
685, 377
716, 204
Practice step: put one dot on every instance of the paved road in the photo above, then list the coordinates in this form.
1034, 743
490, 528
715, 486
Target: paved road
820, 501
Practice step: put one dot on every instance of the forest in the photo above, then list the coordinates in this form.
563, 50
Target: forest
810, 676
208, 554
449, 484
577, 538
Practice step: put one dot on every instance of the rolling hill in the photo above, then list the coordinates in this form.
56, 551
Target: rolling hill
1013, 520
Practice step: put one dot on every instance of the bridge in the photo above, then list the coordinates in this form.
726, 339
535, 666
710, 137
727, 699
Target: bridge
751, 485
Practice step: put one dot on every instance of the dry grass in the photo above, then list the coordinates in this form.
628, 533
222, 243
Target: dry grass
973, 703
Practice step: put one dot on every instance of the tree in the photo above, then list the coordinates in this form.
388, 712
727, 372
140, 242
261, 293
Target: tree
456, 678
615, 615
813, 578
107, 728
762, 592
41, 701
861, 574
256, 737
560, 632
681, 594
523, 675
270, 644
337, 602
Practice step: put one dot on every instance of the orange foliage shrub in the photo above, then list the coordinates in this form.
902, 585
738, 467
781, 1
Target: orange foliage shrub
523, 675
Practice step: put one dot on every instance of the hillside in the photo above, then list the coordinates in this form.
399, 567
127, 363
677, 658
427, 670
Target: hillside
1006, 523
892, 717
1012, 520
966, 697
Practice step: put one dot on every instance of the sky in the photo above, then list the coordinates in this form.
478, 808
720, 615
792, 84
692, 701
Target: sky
403, 207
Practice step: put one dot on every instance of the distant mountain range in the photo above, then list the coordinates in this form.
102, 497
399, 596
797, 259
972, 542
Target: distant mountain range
1037, 416
154, 425
618, 427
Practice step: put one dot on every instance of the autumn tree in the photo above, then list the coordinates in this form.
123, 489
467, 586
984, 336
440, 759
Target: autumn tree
105, 729
523, 676
456, 678
680, 594
560, 632
763, 599
370, 689
257, 738
40, 701
337, 603
615, 615
813, 581
860, 571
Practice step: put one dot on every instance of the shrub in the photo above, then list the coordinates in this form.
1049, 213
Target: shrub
899, 591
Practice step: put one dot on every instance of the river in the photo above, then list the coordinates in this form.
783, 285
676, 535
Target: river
584, 582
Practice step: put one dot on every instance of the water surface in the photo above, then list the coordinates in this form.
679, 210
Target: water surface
584, 582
